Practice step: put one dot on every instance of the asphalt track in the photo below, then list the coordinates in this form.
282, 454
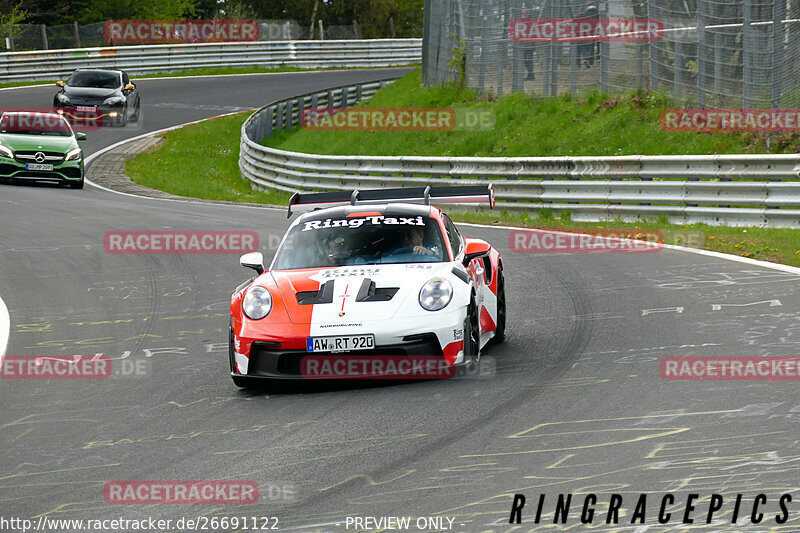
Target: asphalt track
577, 404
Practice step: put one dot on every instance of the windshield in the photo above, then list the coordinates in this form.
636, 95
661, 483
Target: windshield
35, 124
361, 240
99, 80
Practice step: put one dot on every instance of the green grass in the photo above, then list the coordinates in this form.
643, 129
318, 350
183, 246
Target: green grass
531, 126
200, 161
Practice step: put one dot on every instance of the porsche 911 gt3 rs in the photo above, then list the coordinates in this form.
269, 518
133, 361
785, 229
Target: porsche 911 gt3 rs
379, 274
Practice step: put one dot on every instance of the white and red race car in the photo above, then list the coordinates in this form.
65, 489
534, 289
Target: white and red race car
376, 275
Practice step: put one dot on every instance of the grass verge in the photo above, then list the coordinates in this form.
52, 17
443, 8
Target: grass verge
532, 126
200, 161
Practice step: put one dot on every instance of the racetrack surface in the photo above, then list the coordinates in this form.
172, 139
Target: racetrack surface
577, 404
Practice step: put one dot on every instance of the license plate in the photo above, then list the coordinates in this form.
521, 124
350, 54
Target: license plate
341, 343
38, 166
88, 108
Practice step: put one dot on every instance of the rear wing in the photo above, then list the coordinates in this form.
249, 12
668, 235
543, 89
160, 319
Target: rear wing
466, 194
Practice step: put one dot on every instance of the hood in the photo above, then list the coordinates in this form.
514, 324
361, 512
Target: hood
90, 92
49, 143
355, 293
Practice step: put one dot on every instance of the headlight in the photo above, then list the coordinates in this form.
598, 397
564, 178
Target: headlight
62, 98
73, 154
114, 100
435, 294
257, 303
6, 152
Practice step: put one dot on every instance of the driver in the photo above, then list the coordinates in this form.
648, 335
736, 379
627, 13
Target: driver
335, 250
413, 238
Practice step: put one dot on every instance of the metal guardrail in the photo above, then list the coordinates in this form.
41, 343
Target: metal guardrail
137, 60
736, 190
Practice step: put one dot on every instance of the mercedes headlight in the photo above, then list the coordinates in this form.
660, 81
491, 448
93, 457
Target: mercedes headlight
114, 100
435, 294
257, 303
6, 152
62, 98
73, 154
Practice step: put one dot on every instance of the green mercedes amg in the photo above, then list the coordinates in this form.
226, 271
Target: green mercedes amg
38, 146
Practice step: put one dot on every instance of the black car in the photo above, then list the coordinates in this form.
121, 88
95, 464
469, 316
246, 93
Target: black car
92, 95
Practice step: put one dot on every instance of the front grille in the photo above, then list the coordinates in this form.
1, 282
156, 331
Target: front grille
29, 156
266, 360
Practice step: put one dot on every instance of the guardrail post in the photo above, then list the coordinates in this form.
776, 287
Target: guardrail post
359, 92
289, 109
604, 52
279, 116
345, 97
270, 116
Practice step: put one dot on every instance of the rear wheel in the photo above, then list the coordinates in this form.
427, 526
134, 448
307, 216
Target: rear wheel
500, 331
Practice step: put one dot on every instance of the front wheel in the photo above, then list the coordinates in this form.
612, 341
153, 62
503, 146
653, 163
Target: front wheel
500, 330
75, 184
472, 336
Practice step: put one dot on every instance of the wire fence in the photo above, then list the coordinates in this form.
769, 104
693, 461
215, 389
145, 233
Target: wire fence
743, 53
44, 37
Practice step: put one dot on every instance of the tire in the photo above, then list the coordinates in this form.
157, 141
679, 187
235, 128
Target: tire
472, 336
135, 116
122, 121
75, 184
500, 331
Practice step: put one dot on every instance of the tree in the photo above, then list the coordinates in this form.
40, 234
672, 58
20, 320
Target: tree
10, 18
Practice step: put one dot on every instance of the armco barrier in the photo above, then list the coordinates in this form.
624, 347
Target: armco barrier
736, 190
138, 60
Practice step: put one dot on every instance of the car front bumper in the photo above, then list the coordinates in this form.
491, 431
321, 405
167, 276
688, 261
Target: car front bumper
64, 172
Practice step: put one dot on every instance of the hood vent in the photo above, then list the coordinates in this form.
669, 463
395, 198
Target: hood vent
369, 293
322, 296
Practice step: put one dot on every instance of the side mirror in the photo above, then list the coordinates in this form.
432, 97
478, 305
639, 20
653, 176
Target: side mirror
254, 260
80, 135
475, 249
130, 87
60, 83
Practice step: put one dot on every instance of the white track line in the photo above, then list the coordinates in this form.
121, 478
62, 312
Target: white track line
5, 330
708, 253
